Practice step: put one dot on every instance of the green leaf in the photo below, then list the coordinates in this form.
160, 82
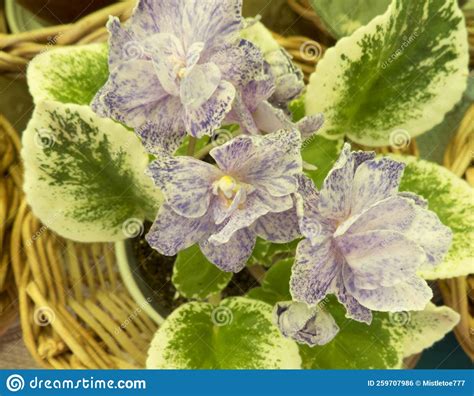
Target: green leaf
195, 277
85, 175
237, 334
275, 285
71, 74
343, 17
266, 253
384, 343
452, 199
323, 154
400, 74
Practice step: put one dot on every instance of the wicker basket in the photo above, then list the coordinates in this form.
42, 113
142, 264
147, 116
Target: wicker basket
74, 309
69, 317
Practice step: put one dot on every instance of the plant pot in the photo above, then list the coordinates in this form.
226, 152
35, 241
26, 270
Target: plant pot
135, 284
20, 19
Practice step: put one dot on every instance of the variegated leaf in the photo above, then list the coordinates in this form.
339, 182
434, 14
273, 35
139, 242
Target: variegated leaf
343, 17
402, 72
452, 199
71, 74
84, 175
383, 344
237, 334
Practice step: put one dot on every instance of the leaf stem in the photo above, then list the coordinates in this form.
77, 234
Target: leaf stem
191, 146
258, 272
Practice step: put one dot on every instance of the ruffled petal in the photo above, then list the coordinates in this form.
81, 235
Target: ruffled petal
314, 270
272, 164
335, 195
309, 125
171, 233
433, 236
208, 117
278, 227
312, 225
240, 62
133, 95
168, 56
411, 295
211, 21
232, 255
185, 182
304, 324
407, 215
166, 136
393, 213
375, 180
199, 85
354, 310
257, 205
379, 258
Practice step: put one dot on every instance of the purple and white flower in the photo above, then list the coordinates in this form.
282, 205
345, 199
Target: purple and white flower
365, 241
249, 193
175, 68
305, 324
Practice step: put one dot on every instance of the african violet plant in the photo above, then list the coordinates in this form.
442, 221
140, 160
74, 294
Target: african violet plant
195, 119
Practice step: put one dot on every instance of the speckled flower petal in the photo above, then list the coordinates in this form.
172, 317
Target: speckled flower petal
185, 182
432, 235
166, 50
211, 21
309, 125
314, 270
256, 205
168, 135
420, 201
233, 255
240, 62
335, 195
132, 95
119, 48
354, 310
304, 324
412, 295
312, 225
171, 233
208, 117
278, 227
379, 258
272, 164
199, 85
408, 216
374, 181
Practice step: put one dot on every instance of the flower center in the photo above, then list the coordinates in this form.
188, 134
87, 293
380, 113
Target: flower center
182, 72
227, 188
